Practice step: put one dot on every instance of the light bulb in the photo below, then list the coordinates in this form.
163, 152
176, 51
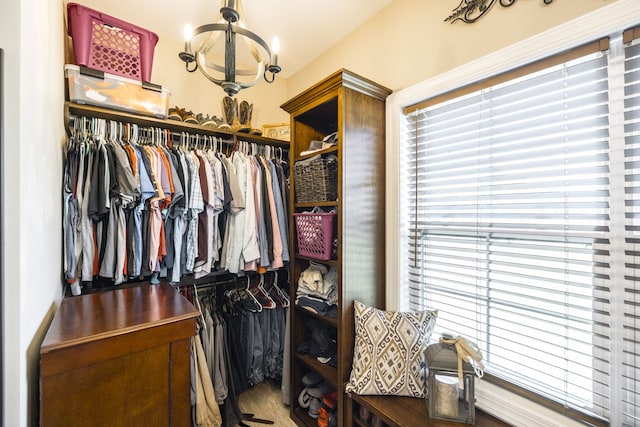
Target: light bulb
275, 47
188, 32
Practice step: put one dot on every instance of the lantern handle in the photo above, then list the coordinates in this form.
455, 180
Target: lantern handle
467, 351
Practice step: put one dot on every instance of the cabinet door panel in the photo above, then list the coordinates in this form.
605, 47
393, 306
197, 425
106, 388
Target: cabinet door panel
125, 391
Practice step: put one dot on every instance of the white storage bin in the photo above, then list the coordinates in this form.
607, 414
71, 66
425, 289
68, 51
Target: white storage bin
87, 86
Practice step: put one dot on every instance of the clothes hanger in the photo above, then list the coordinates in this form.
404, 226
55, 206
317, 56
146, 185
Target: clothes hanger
283, 294
268, 301
275, 292
252, 296
199, 307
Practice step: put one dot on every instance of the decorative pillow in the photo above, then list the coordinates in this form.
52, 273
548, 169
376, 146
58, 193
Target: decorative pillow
388, 358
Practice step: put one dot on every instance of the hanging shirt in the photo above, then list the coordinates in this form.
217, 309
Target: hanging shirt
280, 211
276, 239
195, 206
250, 248
147, 191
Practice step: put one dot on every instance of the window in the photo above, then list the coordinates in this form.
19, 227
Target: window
521, 222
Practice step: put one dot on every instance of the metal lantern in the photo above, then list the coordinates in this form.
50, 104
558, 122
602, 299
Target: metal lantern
450, 393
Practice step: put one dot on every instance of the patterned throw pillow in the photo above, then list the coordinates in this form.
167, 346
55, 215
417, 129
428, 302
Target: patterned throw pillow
388, 358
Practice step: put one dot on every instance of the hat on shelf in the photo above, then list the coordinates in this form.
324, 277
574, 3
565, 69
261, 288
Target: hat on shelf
311, 379
326, 142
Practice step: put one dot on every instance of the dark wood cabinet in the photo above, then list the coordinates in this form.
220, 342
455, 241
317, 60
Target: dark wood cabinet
118, 358
354, 107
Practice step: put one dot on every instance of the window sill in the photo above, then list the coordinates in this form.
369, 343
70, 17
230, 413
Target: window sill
517, 410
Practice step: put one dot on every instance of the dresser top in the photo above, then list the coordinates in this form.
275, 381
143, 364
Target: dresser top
97, 316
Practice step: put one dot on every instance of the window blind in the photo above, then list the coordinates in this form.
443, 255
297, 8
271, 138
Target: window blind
630, 360
508, 227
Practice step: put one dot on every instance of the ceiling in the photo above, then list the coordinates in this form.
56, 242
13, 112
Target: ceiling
306, 28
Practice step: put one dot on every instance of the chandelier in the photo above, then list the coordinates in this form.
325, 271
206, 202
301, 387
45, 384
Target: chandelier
203, 51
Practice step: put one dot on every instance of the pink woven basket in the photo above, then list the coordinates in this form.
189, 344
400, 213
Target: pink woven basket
315, 234
109, 44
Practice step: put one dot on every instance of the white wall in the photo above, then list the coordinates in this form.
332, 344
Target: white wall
31, 167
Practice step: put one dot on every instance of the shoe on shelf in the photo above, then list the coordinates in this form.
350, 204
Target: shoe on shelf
217, 120
228, 109
245, 111
206, 121
314, 407
329, 399
189, 117
304, 398
323, 417
175, 113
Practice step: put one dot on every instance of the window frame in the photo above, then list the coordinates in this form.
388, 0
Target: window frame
609, 20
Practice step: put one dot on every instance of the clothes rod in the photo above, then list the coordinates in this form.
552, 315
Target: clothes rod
73, 109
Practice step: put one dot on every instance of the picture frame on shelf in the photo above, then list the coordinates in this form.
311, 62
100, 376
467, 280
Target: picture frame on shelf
277, 131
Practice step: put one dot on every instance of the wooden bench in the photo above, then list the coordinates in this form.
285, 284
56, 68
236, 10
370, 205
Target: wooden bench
396, 411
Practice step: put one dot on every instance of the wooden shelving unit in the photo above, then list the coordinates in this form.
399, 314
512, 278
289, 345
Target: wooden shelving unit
355, 108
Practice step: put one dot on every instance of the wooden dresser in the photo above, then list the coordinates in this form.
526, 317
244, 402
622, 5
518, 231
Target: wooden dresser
118, 358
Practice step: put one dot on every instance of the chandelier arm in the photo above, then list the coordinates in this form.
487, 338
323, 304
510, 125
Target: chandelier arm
191, 70
240, 72
206, 28
215, 31
269, 79
217, 28
202, 65
256, 38
211, 40
250, 44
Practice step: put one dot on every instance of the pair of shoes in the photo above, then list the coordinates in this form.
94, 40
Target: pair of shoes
327, 418
175, 113
181, 114
323, 418
329, 399
304, 398
189, 117
211, 122
315, 405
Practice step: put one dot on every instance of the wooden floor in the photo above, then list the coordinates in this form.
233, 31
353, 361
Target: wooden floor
265, 402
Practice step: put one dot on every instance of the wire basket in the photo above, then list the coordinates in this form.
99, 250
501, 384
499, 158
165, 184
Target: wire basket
315, 234
316, 179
